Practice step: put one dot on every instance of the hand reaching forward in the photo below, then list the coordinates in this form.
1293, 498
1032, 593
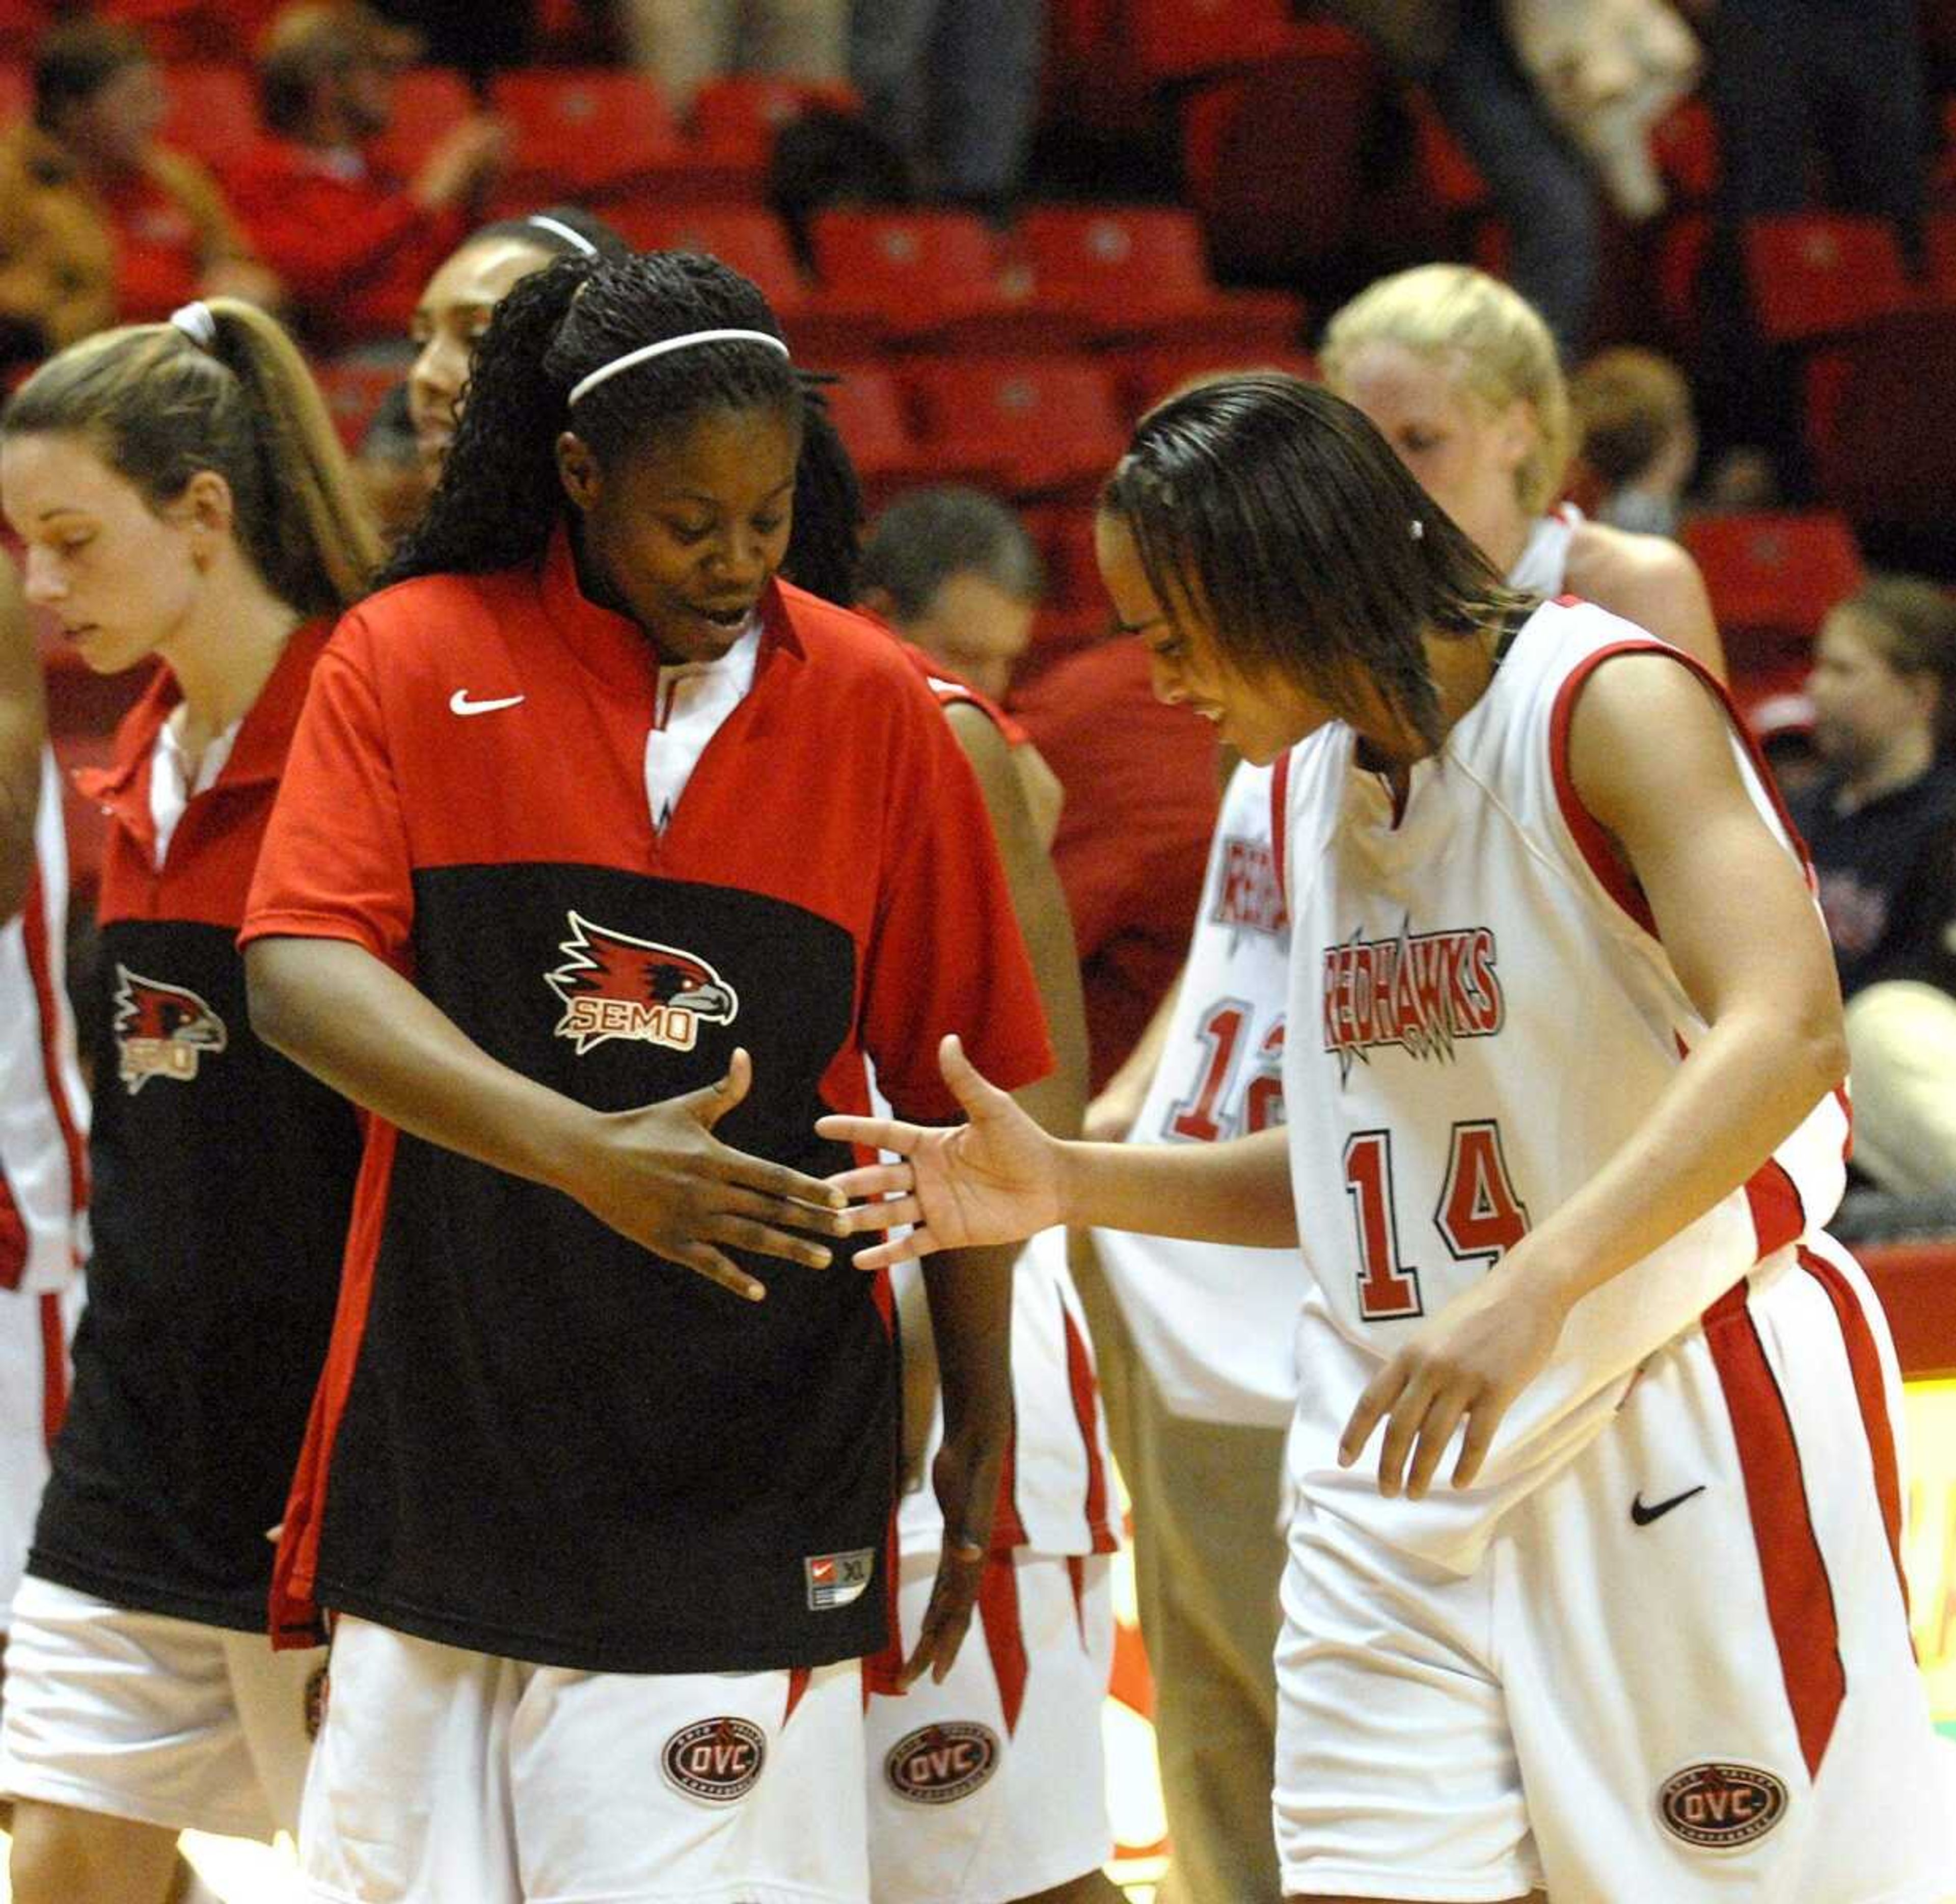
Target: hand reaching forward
1468, 1363
659, 1175
993, 1180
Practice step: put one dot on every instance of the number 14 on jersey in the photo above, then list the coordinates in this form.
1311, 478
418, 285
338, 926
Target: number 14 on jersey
1478, 1215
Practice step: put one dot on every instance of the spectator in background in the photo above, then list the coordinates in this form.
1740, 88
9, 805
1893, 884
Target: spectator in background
1882, 828
98, 223
353, 245
1636, 436
953, 571
1542, 185
954, 88
684, 43
1141, 784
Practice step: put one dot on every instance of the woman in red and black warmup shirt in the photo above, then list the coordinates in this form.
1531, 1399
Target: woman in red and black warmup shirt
180, 494
606, 862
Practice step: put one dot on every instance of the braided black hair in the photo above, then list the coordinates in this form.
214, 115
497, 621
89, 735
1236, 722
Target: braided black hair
826, 543
1277, 511
499, 498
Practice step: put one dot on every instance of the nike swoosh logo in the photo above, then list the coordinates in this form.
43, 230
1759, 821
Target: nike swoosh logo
1643, 1516
458, 702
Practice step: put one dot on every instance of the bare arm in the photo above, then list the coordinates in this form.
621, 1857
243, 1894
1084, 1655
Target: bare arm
1747, 944
656, 1175
966, 1301
23, 732
1651, 581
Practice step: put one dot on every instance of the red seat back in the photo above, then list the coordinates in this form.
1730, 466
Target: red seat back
1814, 274
213, 112
582, 130
1774, 575
746, 237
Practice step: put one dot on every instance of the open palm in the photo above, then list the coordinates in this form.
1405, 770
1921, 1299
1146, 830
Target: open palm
994, 1180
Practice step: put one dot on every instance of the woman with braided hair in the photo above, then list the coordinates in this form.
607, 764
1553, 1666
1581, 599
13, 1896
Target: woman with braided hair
607, 860
182, 496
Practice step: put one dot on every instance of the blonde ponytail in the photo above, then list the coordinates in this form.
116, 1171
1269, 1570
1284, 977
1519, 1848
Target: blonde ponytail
159, 404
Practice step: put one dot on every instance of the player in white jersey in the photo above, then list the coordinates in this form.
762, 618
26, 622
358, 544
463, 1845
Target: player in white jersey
43, 1108
1462, 376
988, 1786
1560, 1139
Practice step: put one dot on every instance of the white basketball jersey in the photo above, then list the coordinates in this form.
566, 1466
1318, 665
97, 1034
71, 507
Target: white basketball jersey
43, 1107
1481, 1015
1214, 1323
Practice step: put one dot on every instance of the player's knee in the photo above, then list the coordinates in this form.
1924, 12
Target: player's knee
63, 1856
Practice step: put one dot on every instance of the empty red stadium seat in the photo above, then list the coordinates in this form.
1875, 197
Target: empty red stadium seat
1773, 577
1129, 271
1685, 144
1051, 423
588, 132
1147, 376
430, 102
1814, 274
1278, 161
1177, 39
1884, 459
737, 116
213, 112
939, 276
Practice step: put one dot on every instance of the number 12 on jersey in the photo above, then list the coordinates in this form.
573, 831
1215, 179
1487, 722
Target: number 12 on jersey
1478, 1215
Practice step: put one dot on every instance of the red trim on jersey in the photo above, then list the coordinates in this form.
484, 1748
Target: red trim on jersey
951, 688
40, 968
1009, 1525
1778, 1218
1871, 1391
1799, 1598
1590, 838
798, 1679
1005, 1635
54, 1367
1280, 824
1085, 1393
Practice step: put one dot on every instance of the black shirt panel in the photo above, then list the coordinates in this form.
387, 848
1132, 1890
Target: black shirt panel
223, 1176
1887, 879
556, 1446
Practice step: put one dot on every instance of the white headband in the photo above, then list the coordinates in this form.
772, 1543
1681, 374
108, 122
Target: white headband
645, 352
197, 323
564, 232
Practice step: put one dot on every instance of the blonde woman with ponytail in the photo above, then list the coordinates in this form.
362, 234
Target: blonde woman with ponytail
181, 496
1460, 375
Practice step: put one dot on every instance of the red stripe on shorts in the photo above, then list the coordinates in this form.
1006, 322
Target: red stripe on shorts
1004, 1633
798, 1679
54, 1367
1799, 1598
1085, 1393
1871, 1392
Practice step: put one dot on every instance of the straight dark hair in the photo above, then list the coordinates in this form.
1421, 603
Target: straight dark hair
1279, 514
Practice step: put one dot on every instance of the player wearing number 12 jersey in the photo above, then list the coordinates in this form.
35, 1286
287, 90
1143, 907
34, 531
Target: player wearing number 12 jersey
1561, 1073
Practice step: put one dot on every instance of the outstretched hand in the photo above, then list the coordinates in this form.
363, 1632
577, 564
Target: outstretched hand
659, 1175
994, 1180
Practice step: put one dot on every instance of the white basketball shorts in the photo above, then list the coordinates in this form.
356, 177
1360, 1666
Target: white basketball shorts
1683, 1672
443, 1776
165, 1720
992, 1785
36, 1328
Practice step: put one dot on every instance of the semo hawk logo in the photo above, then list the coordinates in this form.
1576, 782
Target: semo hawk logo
616, 986
161, 1030
1420, 992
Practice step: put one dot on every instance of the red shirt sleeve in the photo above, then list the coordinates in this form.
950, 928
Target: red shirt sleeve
326, 235
946, 954
335, 863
